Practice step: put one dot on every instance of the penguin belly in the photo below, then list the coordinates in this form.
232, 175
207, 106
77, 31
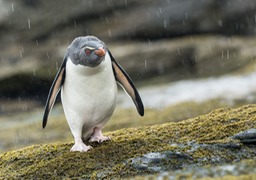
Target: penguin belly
88, 97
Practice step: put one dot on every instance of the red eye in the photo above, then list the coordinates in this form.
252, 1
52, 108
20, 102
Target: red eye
88, 52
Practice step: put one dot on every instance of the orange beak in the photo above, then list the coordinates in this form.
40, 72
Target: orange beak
100, 52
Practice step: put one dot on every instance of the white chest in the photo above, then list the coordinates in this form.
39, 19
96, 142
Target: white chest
89, 94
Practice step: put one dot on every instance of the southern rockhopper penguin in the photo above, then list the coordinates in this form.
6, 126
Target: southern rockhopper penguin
88, 80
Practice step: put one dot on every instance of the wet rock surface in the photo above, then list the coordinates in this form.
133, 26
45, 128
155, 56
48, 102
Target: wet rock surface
242, 170
187, 157
160, 161
248, 136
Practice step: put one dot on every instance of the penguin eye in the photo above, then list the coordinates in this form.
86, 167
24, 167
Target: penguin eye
88, 52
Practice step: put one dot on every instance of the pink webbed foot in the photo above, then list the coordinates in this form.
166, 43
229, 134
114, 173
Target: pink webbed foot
98, 137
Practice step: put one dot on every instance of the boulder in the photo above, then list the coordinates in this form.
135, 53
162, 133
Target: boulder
43, 20
183, 58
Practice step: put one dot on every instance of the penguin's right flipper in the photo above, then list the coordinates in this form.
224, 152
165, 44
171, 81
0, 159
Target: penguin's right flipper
54, 90
126, 83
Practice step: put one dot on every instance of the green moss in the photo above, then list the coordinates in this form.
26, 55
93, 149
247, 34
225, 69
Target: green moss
55, 160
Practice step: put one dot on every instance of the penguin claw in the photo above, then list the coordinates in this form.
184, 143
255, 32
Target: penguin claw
99, 139
80, 147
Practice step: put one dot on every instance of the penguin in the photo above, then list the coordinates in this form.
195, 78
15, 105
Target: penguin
87, 80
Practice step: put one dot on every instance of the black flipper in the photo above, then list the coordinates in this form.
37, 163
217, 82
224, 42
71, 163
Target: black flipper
126, 83
54, 90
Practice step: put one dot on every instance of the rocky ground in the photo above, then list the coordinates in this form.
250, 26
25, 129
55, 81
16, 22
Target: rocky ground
218, 138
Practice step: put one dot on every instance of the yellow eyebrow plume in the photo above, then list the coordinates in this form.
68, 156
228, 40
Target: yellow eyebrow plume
88, 47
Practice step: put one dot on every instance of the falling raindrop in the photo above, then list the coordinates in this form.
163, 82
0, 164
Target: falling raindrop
109, 33
75, 23
48, 56
21, 54
186, 15
17, 138
36, 42
125, 2
227, 54
220, 22
229, 41
146, 64
24, 107
12, 7
106, 19
57, 66
34, 72
222, 54
28, 23
160, 10
165, 24
183, 23
178, 49
149, 42
237, 26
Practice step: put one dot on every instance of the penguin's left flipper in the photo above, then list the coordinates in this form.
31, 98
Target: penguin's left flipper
54, 90
126, 83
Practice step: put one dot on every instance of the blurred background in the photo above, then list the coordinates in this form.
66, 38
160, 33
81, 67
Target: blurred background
185, 57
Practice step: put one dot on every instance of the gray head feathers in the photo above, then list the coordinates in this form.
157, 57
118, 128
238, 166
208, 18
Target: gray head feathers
83, 50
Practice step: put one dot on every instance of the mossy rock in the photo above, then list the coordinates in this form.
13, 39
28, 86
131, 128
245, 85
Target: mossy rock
210, 133
236, 171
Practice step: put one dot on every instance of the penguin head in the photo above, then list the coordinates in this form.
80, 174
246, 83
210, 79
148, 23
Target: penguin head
87, 51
